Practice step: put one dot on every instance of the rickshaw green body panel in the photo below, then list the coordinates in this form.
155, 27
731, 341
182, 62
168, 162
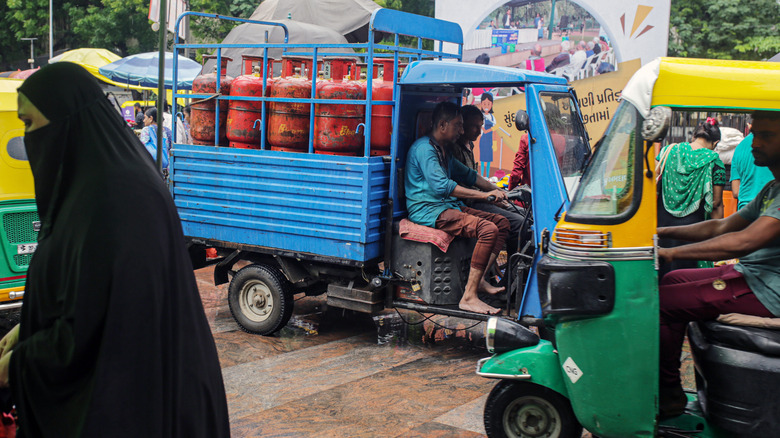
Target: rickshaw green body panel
609, 351
540, 361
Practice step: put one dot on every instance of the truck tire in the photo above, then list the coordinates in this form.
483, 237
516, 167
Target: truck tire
260, 299
522, 409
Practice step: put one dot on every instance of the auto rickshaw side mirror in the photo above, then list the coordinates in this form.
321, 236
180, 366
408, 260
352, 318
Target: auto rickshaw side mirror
656, 124
521, 120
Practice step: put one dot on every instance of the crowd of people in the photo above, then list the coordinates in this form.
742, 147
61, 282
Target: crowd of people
146, 125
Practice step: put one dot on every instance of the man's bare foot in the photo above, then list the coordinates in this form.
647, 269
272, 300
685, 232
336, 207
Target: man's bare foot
488, 288
477, 306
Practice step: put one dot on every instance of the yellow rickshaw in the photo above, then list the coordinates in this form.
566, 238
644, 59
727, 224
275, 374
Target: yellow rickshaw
599, 284
18, 212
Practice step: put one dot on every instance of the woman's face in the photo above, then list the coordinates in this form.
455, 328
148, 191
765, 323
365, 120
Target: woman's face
486, 105
30, 115
148, 120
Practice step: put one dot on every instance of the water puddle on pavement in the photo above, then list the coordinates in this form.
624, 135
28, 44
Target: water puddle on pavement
416, 329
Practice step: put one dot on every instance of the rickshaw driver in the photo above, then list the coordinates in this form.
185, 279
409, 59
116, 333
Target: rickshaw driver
435, 181
750, 287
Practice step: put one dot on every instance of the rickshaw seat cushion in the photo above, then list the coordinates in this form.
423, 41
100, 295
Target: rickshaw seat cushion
420, 233
759, 340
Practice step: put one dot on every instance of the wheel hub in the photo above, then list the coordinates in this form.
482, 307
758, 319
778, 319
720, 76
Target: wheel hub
256, 301
531, 417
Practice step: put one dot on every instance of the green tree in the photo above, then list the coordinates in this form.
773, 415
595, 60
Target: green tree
724, 29
121, 26
419, 7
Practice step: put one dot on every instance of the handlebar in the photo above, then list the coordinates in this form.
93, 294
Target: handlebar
491, 198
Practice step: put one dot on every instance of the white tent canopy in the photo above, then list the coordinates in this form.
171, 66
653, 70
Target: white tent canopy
300, 33
308, 22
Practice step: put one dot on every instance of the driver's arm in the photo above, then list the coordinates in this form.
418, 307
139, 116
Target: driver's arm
466, 176
701, 231
735, 244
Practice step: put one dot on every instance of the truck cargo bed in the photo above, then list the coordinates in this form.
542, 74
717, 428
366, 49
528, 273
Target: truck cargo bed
320, 204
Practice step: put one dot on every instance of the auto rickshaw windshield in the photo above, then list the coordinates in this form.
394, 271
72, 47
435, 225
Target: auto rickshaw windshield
568, 136
608, 185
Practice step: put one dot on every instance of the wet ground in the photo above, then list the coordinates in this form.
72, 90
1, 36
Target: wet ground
341, 374
333, 373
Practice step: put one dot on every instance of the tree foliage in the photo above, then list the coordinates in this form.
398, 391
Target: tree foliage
121, 26
419, 7
724, 29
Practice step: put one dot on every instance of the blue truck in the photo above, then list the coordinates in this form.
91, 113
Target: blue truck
315, 223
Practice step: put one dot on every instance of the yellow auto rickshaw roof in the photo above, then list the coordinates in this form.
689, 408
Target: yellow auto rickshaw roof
706, 84
8, 93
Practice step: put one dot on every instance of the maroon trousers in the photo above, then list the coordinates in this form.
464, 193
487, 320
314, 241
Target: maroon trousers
490, 230
698, 295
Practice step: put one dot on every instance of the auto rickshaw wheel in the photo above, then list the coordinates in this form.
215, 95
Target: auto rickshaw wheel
526, 410
260, 299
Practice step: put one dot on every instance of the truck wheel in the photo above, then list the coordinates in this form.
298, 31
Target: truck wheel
260, 299
523, 410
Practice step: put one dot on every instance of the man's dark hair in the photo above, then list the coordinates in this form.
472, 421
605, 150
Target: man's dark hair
444, 112
483, 59
766, 115
470, 111
137, 105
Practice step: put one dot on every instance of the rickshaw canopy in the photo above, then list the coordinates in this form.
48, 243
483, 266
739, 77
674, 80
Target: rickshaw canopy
8, 94
705, 83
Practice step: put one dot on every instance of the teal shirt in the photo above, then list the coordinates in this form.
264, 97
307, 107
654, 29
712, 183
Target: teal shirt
762, 268
429, 186
751, 178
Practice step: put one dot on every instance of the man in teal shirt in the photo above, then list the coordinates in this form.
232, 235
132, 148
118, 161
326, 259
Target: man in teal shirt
435, 181
747, 179
751, 287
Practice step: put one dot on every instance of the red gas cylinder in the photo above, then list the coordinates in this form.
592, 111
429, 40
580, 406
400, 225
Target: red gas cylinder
202, 116
288, 122
382, 115
335, 125
244, 124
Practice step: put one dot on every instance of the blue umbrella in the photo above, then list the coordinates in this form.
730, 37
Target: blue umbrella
142, 70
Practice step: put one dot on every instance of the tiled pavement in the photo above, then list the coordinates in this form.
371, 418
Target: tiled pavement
324, 375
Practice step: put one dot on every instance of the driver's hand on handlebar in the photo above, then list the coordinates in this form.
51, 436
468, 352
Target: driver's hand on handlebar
495, 196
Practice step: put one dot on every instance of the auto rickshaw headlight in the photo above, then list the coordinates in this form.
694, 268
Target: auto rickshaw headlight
502, 335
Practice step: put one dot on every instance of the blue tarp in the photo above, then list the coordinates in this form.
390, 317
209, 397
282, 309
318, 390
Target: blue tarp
142, 70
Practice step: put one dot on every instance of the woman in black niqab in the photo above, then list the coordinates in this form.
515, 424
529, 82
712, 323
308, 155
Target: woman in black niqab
113, 340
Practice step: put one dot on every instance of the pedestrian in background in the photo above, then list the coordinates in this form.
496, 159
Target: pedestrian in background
690, 186
139, 116
113, 340
747, 179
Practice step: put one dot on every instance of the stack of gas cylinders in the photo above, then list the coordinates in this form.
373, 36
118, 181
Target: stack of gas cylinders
202, 116
338, 128
244, 117
382, 115
288, 122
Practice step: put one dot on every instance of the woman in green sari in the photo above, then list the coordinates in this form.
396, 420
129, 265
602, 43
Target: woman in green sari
690, 185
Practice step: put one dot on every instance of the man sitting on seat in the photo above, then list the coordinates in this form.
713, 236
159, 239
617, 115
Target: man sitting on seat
463, 151
750, 287
434, 183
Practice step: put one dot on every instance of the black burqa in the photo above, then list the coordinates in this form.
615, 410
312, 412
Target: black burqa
113, 340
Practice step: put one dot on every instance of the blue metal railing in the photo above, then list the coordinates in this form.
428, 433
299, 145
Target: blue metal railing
382, 20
